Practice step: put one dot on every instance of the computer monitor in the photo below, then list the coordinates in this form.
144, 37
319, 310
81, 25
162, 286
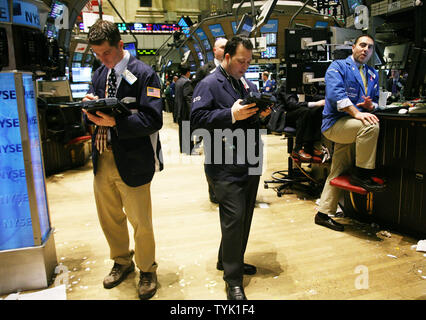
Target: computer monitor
271, 38
216, 30
77, 57
131, 47
396, 56
206, 44
201, 34
245, 25
197, 47
210, 56
271, 52
54, 91
82, 74
79, 90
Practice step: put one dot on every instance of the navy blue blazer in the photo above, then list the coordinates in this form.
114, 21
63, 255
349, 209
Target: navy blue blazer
213, 98
135, 140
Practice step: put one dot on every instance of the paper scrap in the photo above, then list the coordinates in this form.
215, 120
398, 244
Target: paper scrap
421, 246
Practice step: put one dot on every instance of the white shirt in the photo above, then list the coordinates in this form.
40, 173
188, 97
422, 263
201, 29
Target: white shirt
119, 68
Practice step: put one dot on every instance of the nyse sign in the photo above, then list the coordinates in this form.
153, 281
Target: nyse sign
26, 13
15, 216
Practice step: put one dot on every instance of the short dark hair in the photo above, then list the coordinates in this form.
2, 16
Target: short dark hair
231, 45
363, 35
184, 69
102, 31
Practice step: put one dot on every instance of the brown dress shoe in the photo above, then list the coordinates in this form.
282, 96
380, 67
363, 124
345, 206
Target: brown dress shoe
304, 156
118, 273
147, 286
317, 153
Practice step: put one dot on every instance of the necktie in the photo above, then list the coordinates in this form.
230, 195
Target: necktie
102, 134
364, 79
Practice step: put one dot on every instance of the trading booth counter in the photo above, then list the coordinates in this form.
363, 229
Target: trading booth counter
401, 160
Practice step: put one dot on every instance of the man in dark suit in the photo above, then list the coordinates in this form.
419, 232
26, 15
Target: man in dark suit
306, 117
218, 49
183, 99
126, 152
233, 158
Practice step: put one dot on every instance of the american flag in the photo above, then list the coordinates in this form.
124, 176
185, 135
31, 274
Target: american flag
153, 92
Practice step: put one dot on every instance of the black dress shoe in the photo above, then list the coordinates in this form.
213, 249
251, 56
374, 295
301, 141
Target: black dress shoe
367, 183
117, 275
248, 268
235, 292
324, 220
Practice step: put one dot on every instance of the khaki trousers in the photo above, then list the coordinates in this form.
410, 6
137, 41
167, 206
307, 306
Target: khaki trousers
353, 142
112, 195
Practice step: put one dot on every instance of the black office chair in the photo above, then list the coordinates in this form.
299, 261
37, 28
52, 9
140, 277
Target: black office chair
296, 177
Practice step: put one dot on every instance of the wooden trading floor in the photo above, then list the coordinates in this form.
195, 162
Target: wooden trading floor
296, 259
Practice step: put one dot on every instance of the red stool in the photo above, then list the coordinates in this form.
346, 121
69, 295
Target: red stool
342, 182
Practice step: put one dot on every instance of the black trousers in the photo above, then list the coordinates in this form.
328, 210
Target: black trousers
236, 206
307, 122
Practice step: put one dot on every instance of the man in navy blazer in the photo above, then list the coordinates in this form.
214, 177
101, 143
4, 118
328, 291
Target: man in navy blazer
126, 151
232, 155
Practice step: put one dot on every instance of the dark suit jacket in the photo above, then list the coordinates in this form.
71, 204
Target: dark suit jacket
211, 109
135, 140
183, 98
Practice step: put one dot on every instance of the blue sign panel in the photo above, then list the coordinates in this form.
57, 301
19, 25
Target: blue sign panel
270, 26
15, 216
36, 155
4, 11
201, 34
26, 13
216, 30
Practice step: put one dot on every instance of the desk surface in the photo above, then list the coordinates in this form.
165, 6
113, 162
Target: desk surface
401, 116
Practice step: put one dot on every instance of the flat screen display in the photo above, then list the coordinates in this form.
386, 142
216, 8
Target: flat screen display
131, 47
216, 30
82, 74
271, 52
79, 90
78, 56
201, 34
270, 26
206, 45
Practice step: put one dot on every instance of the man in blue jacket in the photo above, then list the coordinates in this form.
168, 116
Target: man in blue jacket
233, 155
126, 152
352, 92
